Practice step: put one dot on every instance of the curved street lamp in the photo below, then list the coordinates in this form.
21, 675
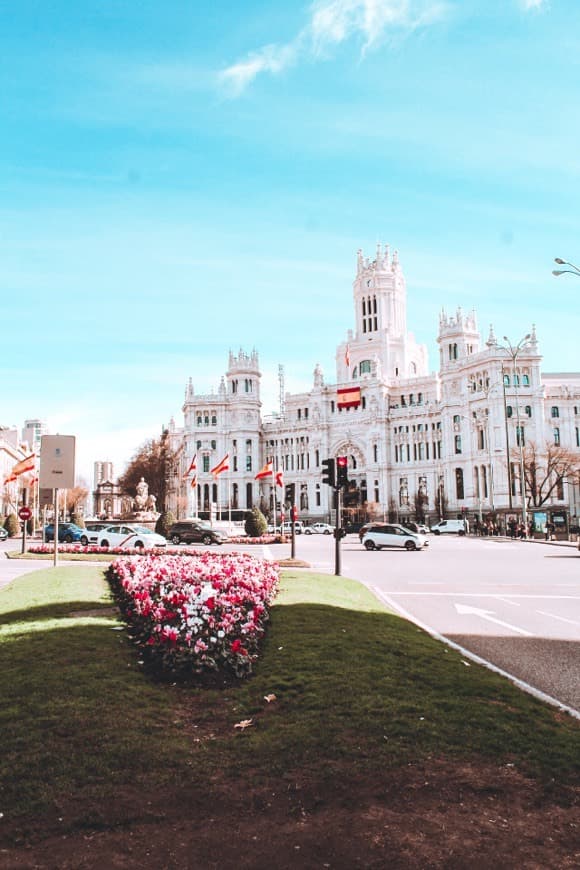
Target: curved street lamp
513, 352
573, 270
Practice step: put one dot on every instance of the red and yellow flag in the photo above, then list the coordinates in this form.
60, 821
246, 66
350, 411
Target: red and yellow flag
21, 467
280, 478
192, 466
221, 466
348, 397
267, 471
193, 483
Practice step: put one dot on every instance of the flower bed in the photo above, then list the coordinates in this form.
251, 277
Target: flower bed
171, 551
196, 614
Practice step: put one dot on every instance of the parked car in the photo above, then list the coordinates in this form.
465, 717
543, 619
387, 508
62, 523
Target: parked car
273, 530
419, 528
449, 527
298, 528
195, 532
3, 533
318, 529
129, 537
67, 533
393, 535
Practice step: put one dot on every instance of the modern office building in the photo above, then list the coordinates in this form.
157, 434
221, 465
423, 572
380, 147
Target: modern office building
450, 442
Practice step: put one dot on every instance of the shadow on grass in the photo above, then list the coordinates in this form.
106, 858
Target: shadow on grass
54, 611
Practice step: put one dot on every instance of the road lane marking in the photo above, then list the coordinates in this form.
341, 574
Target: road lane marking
561, 618
521, 684
466, 610
507, 601
495, 596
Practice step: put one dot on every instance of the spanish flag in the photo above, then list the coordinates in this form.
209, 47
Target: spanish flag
348, 397
193, 483
267, 471
280, 478
192, 467
21, 467
221, 466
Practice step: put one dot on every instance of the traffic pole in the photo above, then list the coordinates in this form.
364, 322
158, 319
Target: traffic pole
337, 532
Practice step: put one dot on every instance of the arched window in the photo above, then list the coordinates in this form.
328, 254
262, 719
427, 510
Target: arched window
355, 373
213, 420
557, 436
509, 411
529, 410
506, 380
458, 443
375, 453
459, 483
365, 367
476, 481
525, 380
555, 411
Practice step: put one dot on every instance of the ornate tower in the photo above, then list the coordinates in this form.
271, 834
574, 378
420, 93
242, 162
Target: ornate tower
380, 342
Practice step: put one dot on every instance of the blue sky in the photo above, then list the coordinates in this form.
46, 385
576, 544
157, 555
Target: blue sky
180, 179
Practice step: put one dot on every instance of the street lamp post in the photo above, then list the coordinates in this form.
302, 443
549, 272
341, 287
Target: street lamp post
573, 270
513, 352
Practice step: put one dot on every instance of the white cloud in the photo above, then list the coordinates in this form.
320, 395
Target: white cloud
271, 58
529, 5
331, 23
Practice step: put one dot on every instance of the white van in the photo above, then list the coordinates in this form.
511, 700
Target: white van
450, 527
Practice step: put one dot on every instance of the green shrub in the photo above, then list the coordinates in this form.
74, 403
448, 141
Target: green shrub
12, 525
164, 523
255, 523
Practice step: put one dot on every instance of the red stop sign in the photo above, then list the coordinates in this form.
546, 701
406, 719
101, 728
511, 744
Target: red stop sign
24, 513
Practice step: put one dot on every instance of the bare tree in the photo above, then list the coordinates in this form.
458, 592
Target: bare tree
76, 497
545, 471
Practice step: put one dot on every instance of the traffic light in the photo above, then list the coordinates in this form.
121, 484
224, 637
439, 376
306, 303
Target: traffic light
342, 471
328, 475
289, 493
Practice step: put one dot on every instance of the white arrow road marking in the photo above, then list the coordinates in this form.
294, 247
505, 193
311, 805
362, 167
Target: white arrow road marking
487, 614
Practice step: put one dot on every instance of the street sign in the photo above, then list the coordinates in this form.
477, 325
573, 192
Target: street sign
57, 462
24, 513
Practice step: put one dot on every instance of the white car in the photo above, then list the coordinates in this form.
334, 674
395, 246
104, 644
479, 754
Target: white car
129, 537
298, 527
318, 529
391, 535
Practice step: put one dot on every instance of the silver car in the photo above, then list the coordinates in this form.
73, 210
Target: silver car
391, 535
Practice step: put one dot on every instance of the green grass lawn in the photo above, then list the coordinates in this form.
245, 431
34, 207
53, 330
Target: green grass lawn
80, 717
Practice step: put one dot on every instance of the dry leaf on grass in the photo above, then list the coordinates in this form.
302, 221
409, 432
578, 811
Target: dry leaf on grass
245, 723
269, 698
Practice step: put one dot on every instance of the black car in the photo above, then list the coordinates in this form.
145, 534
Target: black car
195, 532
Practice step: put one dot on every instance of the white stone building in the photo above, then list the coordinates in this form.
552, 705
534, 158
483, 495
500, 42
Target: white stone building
448, 441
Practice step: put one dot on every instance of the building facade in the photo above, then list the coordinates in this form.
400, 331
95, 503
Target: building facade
419, 443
